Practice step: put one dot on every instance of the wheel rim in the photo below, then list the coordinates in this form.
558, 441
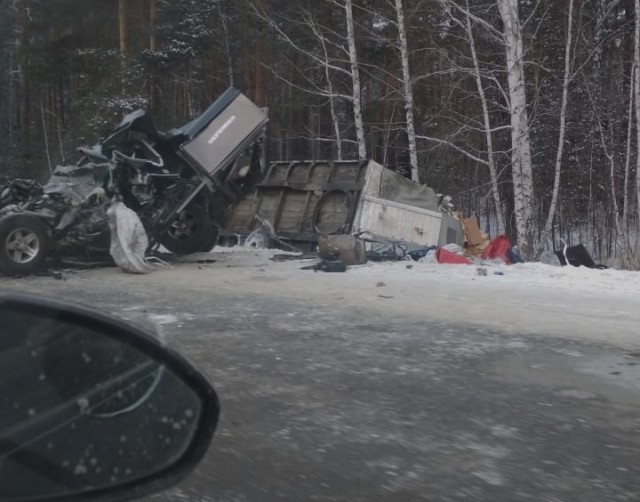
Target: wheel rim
185, 227
22, 245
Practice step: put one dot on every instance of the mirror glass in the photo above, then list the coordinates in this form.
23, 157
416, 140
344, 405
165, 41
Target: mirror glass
81, 411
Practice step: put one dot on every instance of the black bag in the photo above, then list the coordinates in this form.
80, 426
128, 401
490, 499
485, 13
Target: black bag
577, 256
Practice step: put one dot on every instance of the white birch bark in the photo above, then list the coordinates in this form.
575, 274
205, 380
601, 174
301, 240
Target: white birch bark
493, 171
521, 167
332, 99
627, 158
227, 45
355, 77
408, 93
604, 141
562, 132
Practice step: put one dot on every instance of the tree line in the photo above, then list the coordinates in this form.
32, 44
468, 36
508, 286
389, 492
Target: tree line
525, 111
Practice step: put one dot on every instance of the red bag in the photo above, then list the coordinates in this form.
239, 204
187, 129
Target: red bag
444, 256
498, 249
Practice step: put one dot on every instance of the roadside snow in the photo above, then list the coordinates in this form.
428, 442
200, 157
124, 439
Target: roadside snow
599, 305
573, 279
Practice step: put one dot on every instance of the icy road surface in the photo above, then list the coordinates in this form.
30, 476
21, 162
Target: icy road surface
390, 383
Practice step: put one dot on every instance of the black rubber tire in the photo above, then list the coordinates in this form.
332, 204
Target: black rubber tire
191, 231
209, 244
14, 262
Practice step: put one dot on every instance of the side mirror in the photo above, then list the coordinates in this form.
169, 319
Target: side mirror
93, 408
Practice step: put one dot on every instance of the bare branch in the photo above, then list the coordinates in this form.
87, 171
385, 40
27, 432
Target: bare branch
454, 146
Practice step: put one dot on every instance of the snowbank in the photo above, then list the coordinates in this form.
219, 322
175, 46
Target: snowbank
526, 275
597, 305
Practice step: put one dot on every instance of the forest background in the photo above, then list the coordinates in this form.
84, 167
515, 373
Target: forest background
526, 112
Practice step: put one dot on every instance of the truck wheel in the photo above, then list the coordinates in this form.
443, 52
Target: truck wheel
212, 239
24, 244
190, 232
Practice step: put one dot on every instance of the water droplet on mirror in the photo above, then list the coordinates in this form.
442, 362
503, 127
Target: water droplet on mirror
83, 404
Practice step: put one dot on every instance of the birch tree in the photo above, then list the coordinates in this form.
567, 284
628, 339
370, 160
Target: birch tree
521, 165
491, 164
333, 101
408, 92
355, 78
510, 39
335, 55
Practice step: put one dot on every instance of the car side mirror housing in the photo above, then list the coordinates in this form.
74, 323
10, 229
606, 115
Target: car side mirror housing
92, 408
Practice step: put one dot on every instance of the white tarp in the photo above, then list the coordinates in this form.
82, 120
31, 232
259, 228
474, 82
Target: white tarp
129, 240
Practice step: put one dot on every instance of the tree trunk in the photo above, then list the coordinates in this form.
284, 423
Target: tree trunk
123, 41
636, 87
154, 81
521, 167
23, 72
262, 77
627, 158
561, 134
493, 171
153, 15
11, 96
332, 101
408, 93
355, 77
227, 45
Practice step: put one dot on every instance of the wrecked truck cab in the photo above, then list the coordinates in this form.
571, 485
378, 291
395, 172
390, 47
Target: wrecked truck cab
181, 184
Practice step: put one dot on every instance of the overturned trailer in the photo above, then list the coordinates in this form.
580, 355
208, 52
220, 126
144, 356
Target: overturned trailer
304, 200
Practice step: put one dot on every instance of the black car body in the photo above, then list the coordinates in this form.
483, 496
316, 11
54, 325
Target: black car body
180, 183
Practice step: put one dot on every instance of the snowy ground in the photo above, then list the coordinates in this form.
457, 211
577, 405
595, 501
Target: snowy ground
602, 305
533, 298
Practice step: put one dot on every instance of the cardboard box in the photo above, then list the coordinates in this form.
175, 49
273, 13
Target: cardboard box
472, 231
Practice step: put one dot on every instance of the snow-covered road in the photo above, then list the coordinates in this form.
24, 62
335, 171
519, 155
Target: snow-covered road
597, 305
